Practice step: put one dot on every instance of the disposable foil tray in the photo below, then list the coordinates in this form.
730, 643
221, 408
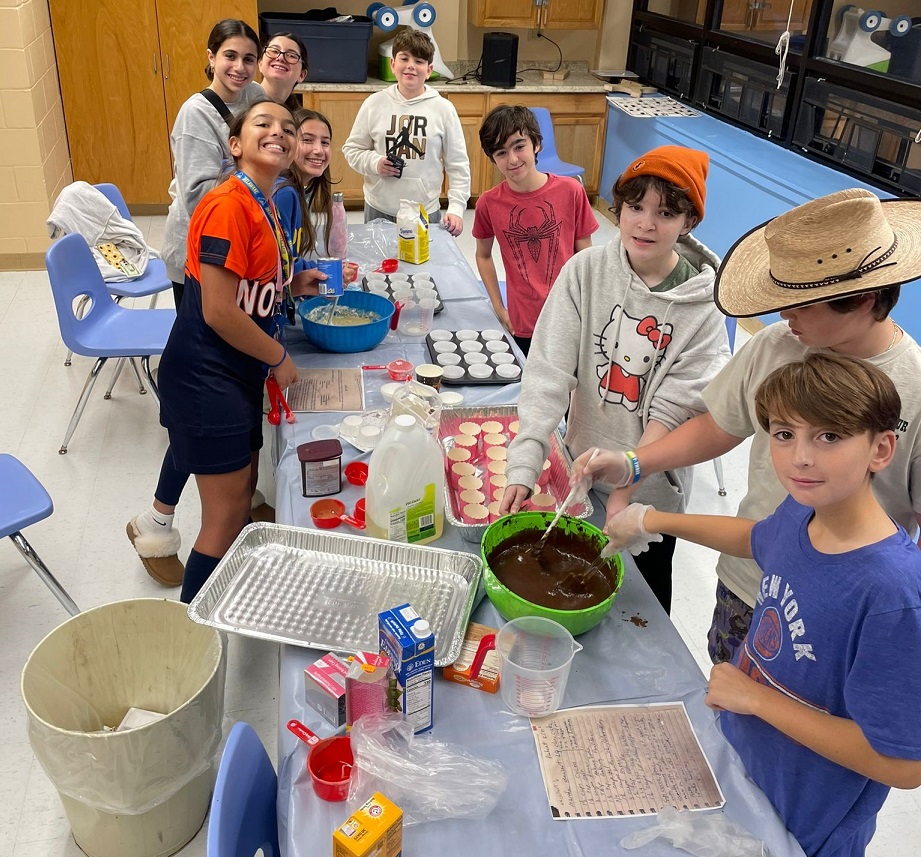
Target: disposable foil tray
558, 456
324, 590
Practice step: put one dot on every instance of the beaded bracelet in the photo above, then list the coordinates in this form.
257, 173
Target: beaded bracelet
284, 354
634, 463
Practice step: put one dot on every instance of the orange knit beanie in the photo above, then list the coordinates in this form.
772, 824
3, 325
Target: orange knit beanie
683, 167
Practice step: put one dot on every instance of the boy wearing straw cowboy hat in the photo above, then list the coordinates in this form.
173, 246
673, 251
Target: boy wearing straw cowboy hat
833, 268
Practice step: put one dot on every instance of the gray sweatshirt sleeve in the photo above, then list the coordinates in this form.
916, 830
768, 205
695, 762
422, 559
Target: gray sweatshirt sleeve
456, 163
199, 160
550, 375
359, 147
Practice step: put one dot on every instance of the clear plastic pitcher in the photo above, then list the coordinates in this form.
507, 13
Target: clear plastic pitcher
535, 655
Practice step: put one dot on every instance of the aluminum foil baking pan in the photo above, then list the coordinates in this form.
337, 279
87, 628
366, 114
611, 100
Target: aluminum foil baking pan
559, 457
324, 590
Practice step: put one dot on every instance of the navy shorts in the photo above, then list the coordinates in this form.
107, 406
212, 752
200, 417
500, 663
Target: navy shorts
213, 455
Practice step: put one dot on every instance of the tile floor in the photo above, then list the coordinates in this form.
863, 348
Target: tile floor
109, 474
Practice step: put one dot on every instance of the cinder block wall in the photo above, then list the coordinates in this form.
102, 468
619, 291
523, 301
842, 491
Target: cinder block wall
34, 159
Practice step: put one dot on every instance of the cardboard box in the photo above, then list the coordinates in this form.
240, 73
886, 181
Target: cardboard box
408, 641
366, 685
324, 688
459, 671
376, 828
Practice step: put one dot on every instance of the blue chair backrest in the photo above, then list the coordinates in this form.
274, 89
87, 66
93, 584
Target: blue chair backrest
114, 195
545, 123
73, 273
731, 324
243, 818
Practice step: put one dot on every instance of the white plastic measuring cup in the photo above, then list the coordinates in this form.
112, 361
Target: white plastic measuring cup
535, 655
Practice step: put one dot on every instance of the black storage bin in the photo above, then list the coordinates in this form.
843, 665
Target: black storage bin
743, 90
664, 61
337, 52
873, 137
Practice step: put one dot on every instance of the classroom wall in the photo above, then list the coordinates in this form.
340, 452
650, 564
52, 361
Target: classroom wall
34, 158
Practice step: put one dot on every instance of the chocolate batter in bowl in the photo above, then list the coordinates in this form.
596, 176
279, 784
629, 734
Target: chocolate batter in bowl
553, 581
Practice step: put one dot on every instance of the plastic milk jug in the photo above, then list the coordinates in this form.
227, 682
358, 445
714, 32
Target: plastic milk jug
412, 232
405, 490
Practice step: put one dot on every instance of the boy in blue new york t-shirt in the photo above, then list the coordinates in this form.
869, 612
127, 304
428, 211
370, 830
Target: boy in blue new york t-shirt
823, 700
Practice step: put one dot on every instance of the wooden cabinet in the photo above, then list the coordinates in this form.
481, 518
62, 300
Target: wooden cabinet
537, 14
340, 108
126, 66
760, 15
471, 109
578, 128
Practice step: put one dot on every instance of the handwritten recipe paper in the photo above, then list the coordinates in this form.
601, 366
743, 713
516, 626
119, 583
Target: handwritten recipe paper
326, 390
617, 761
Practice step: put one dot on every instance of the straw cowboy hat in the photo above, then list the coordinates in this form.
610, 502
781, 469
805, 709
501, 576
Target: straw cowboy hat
842, 244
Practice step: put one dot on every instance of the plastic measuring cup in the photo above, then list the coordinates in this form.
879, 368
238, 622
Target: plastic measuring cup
535, 655
329, 762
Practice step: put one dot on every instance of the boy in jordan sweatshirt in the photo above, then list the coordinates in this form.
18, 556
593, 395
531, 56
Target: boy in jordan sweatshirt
411, 122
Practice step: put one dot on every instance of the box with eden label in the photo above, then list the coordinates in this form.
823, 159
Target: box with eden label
408, 641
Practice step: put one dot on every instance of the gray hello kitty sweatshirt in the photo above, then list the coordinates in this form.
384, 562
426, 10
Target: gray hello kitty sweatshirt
618, 356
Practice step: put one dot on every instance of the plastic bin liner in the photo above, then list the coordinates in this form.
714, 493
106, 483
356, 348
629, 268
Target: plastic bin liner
81, 679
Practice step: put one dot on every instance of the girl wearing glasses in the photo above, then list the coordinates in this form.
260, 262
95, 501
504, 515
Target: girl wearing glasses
283, 66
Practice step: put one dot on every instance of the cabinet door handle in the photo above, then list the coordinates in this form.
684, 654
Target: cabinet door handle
155, 62
166, 68
918, 136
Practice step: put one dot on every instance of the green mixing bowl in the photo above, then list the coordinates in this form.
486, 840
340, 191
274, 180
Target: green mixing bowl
510, 605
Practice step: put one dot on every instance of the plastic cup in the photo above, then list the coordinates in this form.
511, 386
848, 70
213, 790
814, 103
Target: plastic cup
368, 436
427, 307
417, 317
442, 347
448, 359
350, 426
535, 655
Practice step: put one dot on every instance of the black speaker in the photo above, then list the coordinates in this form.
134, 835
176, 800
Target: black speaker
500, 60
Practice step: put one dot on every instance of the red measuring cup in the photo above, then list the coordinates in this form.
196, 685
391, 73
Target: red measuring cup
329, 762
329, 513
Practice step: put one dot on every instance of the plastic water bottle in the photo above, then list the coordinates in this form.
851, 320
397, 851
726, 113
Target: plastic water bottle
338, 246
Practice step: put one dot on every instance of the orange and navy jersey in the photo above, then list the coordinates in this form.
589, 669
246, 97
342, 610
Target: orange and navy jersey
207, 385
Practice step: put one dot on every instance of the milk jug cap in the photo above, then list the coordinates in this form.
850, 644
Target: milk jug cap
421, 628
405, 421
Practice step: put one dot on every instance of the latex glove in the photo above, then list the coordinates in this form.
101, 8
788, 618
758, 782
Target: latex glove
611, 466
703, 834
626, 530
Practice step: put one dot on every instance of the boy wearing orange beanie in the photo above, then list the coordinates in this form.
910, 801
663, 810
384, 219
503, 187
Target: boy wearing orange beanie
628, 339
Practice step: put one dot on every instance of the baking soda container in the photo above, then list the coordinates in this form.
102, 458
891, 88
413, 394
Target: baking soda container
405, 489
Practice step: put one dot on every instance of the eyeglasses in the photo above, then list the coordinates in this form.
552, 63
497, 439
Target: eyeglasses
291, 57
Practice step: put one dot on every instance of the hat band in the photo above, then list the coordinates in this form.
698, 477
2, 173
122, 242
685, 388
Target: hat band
863, 267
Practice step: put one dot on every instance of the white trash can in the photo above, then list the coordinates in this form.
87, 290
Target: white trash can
143, 792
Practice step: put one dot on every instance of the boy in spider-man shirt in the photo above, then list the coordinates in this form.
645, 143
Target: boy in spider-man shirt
628, 339
540, 221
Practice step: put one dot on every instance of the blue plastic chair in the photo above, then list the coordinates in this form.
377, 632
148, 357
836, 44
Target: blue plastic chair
107, 329
243, 818
548, 161
23, 502
731, 324
153, 281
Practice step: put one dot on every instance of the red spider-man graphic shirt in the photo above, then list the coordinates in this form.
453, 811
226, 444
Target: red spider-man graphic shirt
536, 233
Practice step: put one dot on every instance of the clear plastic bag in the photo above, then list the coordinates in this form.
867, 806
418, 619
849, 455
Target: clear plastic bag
426, 778
701, 834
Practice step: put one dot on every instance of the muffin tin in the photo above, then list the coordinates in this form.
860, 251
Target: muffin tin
474, 357
397, 281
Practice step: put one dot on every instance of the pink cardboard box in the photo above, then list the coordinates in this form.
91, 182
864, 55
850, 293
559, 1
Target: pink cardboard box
324, 686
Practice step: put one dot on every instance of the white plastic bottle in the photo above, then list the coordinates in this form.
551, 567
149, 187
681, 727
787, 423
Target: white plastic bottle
405, 490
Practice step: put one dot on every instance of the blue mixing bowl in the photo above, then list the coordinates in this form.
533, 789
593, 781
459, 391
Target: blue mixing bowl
347, 339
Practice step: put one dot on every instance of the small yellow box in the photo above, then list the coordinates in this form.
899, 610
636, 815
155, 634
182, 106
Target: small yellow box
374, 830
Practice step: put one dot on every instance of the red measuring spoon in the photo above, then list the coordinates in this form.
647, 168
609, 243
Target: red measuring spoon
274, 415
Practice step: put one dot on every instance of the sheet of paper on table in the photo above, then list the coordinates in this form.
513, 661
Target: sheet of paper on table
623, 761
327, 390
